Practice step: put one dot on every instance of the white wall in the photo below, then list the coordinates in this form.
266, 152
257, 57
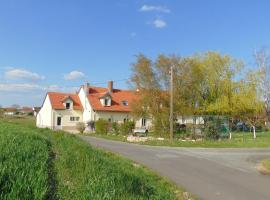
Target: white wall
115, 116
44, 116
189, 120
87, 109
65, 118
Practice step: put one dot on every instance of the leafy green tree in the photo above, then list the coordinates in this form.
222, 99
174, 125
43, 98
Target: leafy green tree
204, 84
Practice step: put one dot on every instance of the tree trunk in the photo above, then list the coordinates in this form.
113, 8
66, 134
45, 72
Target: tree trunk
230, 135
254, 132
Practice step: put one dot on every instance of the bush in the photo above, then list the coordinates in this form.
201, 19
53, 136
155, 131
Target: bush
127, 127
102, 126
91, 125
211, 130
80, 126
115, 128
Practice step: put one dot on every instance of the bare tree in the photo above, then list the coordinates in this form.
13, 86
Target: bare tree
262, 58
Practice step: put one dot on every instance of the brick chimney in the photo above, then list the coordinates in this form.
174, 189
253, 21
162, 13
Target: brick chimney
110, 86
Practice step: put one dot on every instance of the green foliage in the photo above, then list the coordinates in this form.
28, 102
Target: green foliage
115, 128
24, 163
42, 164
102, 126
126, 127
204, 84
211, 130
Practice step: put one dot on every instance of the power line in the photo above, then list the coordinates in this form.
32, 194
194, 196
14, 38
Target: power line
48, 87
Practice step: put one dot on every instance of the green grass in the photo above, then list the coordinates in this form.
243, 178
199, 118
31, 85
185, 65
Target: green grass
23, 164
266, 164
239, 140
41, 164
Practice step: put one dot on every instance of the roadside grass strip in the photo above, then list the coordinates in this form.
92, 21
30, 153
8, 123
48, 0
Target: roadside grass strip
266, 165
239, 140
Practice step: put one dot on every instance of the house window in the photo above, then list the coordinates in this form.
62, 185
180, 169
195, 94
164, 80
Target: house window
67, 105
74, 119
125, 103
143, 122
106, 102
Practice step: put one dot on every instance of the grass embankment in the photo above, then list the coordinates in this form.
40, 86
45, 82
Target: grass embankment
41, 164
239, 140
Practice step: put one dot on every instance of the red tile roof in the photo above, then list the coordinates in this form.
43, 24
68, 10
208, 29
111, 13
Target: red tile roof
58, 98
10, 109
26, 109
118, 96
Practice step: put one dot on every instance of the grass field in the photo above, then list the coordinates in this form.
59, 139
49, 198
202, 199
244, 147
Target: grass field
239, 140
41, 164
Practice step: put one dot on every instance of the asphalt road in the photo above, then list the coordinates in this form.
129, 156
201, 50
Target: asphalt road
213, 174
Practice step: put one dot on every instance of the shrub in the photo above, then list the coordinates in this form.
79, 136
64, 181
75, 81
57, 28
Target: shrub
115, 128
91, 125
127, 127
102, 126
211, 130
80, 126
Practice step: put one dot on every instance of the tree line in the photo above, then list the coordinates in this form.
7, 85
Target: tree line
206, 84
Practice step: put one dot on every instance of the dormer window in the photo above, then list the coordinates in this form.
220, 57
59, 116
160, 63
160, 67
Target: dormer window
67, 105
106, 102
125, 103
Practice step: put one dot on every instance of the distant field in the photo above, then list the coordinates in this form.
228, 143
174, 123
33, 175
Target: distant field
41, 164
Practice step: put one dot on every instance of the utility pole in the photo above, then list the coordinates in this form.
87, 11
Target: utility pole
171, 104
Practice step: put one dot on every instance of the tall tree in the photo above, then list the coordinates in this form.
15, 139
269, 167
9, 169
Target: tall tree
262, 58
153, 101
249, 105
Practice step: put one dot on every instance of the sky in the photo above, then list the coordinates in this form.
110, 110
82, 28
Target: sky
58, 45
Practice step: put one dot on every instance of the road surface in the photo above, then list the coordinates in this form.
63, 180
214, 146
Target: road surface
208, 173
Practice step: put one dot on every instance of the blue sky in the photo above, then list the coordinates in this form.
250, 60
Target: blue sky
58, 45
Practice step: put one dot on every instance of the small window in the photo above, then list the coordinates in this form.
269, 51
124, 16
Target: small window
125, 103
67, 105
106, 102
73, 119
143, 122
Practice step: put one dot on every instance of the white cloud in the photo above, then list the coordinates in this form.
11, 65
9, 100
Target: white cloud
21, 87
22, 74
148, 8
159, 23
28, 87
74, 75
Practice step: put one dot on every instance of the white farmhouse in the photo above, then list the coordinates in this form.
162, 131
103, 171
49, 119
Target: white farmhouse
64, 110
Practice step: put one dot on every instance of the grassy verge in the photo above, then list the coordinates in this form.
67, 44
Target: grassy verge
266, 164
41, 164
239, 140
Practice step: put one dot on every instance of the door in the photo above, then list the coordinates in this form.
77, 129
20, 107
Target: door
59, 121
